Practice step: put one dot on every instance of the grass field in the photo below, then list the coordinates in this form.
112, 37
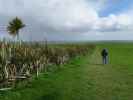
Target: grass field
84, 78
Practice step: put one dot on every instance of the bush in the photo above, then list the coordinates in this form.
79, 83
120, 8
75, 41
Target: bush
33, 57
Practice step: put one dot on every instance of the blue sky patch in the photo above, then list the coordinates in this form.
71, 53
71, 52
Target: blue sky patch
115, 7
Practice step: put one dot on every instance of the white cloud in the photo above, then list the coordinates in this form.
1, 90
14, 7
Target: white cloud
114, 22
63, 16
57, 14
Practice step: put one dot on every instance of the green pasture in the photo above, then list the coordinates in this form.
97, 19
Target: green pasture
83, 78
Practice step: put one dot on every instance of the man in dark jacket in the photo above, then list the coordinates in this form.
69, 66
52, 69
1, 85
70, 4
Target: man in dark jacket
104, 54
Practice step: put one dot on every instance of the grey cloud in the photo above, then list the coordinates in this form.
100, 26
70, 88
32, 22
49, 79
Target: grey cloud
60, 18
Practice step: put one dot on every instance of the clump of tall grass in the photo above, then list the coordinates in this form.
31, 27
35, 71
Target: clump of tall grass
25, 59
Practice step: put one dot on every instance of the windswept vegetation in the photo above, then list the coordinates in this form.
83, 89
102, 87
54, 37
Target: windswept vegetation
82, 78
14, 27
22, 61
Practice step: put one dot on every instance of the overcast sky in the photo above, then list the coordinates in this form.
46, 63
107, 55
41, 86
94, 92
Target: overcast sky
70, 19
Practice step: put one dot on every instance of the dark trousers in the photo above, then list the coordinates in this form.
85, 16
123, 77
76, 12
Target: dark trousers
105, 59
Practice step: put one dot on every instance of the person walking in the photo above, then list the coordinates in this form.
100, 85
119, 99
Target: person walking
104, 54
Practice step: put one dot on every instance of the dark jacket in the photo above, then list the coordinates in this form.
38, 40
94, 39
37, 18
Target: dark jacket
104, 52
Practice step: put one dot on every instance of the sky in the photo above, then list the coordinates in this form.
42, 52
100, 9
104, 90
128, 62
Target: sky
69, 20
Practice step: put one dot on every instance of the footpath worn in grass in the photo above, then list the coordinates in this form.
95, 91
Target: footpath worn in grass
84, 78
64, 84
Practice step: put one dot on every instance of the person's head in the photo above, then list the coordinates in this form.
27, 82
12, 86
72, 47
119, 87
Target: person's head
105, 49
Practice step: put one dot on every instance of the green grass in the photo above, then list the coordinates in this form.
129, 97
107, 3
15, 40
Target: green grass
59, 85
121, 54
84, 78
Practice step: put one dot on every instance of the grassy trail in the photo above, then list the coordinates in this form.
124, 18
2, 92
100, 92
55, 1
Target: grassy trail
109, 82
84, 78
